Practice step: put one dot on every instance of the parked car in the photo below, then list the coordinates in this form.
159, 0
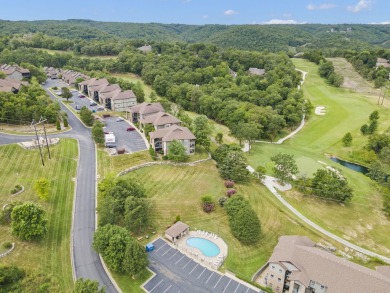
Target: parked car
119, 119
81, 96
130, 129
100, 109
92, 103
78, 107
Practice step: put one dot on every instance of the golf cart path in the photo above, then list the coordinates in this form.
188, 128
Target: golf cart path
272, 184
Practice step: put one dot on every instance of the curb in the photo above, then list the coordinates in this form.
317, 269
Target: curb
96, 225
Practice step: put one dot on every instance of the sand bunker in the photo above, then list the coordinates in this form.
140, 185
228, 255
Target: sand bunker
320, 110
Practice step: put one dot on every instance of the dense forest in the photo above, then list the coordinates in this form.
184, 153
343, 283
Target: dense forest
273, 38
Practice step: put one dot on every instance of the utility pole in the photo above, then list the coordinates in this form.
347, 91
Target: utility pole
39, 144
34, 124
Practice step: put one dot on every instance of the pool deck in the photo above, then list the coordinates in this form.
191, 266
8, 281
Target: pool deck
194, 253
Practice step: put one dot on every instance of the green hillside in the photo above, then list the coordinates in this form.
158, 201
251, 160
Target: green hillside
250, 37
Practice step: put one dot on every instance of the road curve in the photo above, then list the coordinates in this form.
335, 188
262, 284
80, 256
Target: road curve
86, 262
268, 182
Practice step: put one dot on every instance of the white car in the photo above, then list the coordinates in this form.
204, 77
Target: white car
120, 119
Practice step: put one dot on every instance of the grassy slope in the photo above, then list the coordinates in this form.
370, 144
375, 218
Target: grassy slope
186, 185
360, 221
19, 166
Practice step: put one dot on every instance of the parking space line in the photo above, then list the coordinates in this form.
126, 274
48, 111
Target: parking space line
237, 288
166, 251
209, 277
173, 254
187, 263
194, 268
201, 273
218, 282
156, 286
179, 259
227, 286
167, 289
247, 290
161, 247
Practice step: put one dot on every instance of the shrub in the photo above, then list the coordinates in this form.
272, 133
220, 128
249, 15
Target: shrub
208, 203
230, 192
7, 245
243, 220
364, 129
152, 153
177, 218
229, 183
10, 275
165, 158
66, 124
58, 125
55, 88
222, 200
347, 139
16, 189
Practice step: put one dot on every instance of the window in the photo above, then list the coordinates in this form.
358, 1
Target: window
322, 287
273, 267
280, 271
279, 280
272, 276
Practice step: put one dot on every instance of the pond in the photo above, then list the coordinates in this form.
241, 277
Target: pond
356, 167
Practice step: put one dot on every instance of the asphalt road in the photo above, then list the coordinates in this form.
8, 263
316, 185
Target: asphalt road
86, 261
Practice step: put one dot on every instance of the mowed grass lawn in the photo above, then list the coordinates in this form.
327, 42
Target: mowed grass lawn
51, 256
178, 190
361, 221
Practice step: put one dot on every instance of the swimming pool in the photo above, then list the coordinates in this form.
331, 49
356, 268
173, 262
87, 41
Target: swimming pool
207, 247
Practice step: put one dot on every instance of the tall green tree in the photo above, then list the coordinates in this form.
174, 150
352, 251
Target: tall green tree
331, 184
347, 139
98, 132
87, 286
137, 214
202, 131
119, 250
177, 151
42, 188
66, 94
28, 221
86, 116
285, 167
234, 166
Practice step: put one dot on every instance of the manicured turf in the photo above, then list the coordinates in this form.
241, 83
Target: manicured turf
362, 220
19, 166
177, 191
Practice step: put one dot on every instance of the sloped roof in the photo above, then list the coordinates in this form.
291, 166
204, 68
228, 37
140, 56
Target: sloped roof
109, 88
147, 108
125, 95
172, 133
160, 118
338, 274
176, 229
256, 71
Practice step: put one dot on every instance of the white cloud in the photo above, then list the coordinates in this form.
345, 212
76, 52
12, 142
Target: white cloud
282, 21
362, 4
230, 12
320, 6
205, 16
383, 22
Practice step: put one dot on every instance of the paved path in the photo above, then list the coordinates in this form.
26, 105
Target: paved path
86, 262
272, 185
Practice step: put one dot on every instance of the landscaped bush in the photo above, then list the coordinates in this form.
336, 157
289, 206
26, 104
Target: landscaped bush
16, 189
10, 275
7, 245
222, 200
229, 183
243, 220
230, 192
208, 203
152, 153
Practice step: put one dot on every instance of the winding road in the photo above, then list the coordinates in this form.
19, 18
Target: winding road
86, 262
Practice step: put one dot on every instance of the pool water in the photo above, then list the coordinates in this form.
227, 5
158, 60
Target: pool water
207, 247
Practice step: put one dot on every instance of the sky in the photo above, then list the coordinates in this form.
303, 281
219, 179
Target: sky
202, 11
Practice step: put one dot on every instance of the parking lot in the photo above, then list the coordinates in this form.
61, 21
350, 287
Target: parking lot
132, 141
78, 103
175, 272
